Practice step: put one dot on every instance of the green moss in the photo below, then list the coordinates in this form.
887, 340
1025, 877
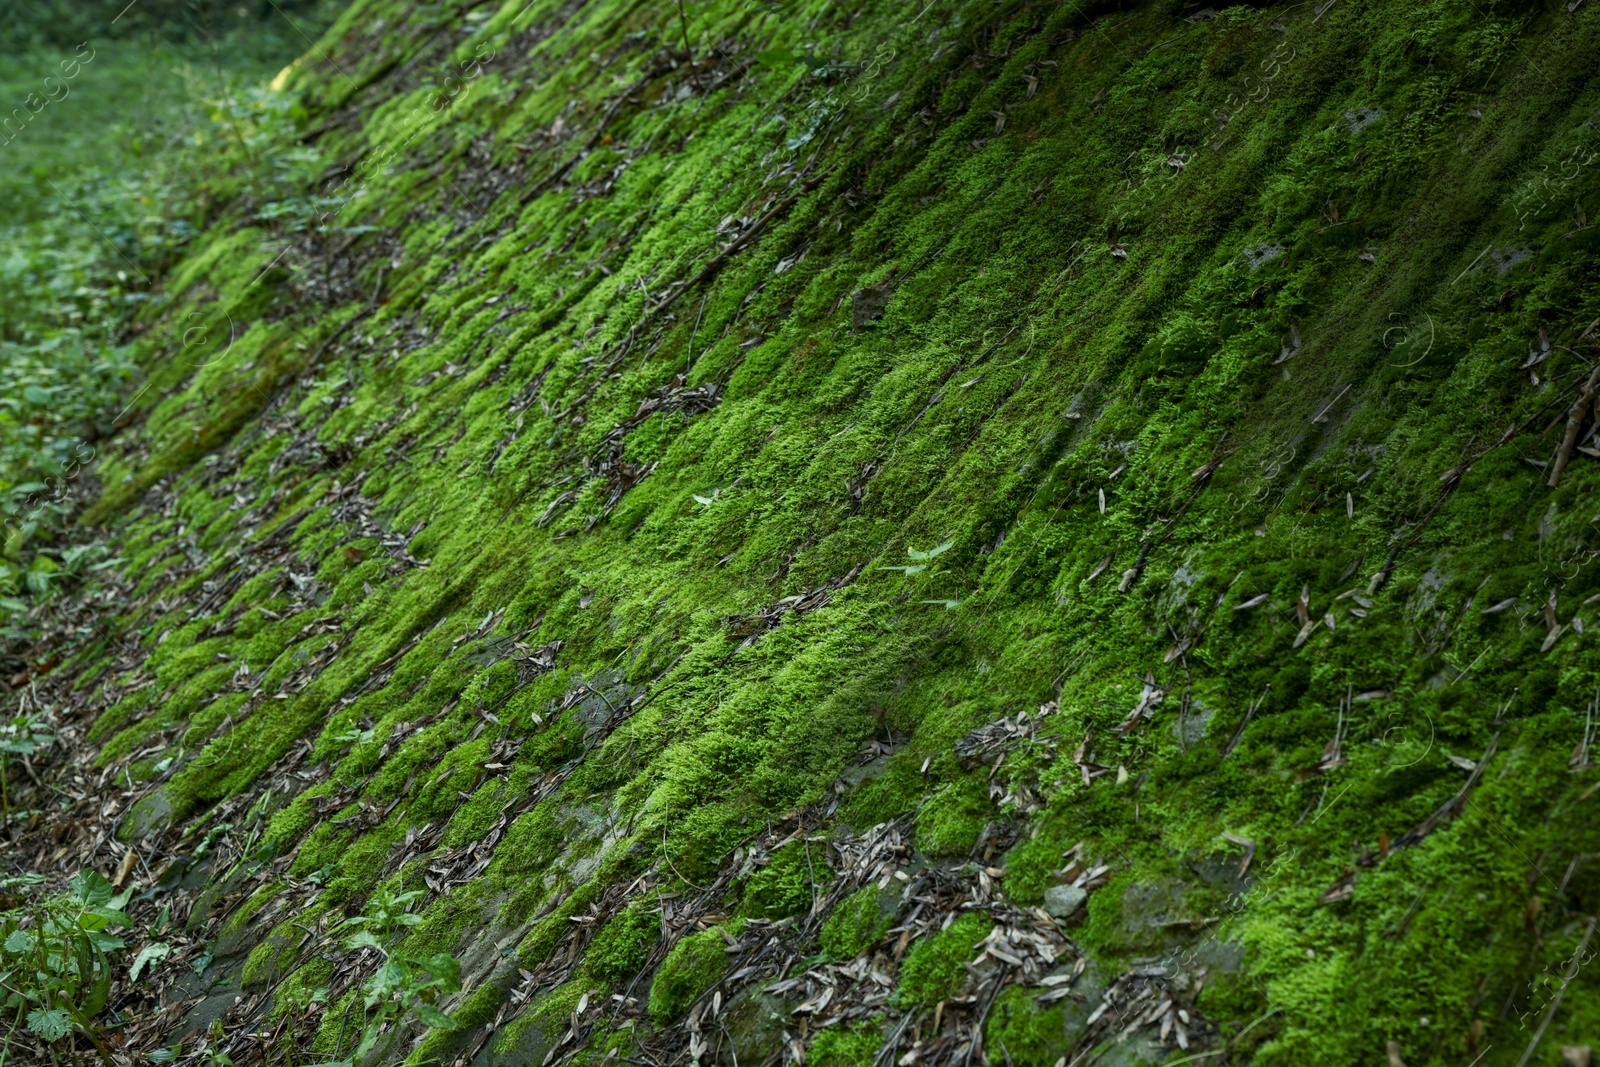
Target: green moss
952, 819
695, 964
297, 990
490, 688
470, 1015
535, 1030
934, 969
549, 932
1135, 278
1023, 1033
839, 1046
790, 881
270, 960
622, 945
241, 917
857, 922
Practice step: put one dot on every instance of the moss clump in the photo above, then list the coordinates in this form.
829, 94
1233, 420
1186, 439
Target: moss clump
953, 818
856, 923
277, 951
787, 885
621, 947
694, 965
839, 1047
1022, 1033
933, 970
295, 992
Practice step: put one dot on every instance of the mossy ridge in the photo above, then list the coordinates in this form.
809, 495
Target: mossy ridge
827, 452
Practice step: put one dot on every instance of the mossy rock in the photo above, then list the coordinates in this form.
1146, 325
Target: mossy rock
1095, 291
755, 1022
529, 1036
623, 944
149, 815
797, 873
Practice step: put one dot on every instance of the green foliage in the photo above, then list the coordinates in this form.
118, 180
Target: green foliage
23, 735
64, 23
211, 1053
403, 982
93, 216
54, 959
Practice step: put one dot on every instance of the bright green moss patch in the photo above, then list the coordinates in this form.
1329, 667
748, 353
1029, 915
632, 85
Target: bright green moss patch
621, 947
953, 818
695, 964
855, 1046
1025, 1033
857, 922
933, 968
789, 883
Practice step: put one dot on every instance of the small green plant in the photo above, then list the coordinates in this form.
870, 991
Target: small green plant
403, 981
212, 1055
22, 736
55, 975
923, 559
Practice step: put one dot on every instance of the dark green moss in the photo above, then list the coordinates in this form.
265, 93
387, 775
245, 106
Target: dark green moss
857, 922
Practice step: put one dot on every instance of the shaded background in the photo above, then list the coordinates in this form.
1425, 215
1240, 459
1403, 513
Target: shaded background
66, 22
100, 190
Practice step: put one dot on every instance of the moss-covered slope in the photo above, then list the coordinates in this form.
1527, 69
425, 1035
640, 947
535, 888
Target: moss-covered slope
704, 492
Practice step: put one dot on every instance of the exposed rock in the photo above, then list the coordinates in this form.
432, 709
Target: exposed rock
1063, 901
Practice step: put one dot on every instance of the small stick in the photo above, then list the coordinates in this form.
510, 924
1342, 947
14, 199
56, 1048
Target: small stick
1575, 417
1249, 713
1555, 1001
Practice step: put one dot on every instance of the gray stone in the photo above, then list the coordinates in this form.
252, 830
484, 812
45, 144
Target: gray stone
149, 815
867, 304
1063, 901
1190, 726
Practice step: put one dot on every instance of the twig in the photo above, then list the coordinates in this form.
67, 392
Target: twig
1555, 1001
1575, 417
1249, 713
